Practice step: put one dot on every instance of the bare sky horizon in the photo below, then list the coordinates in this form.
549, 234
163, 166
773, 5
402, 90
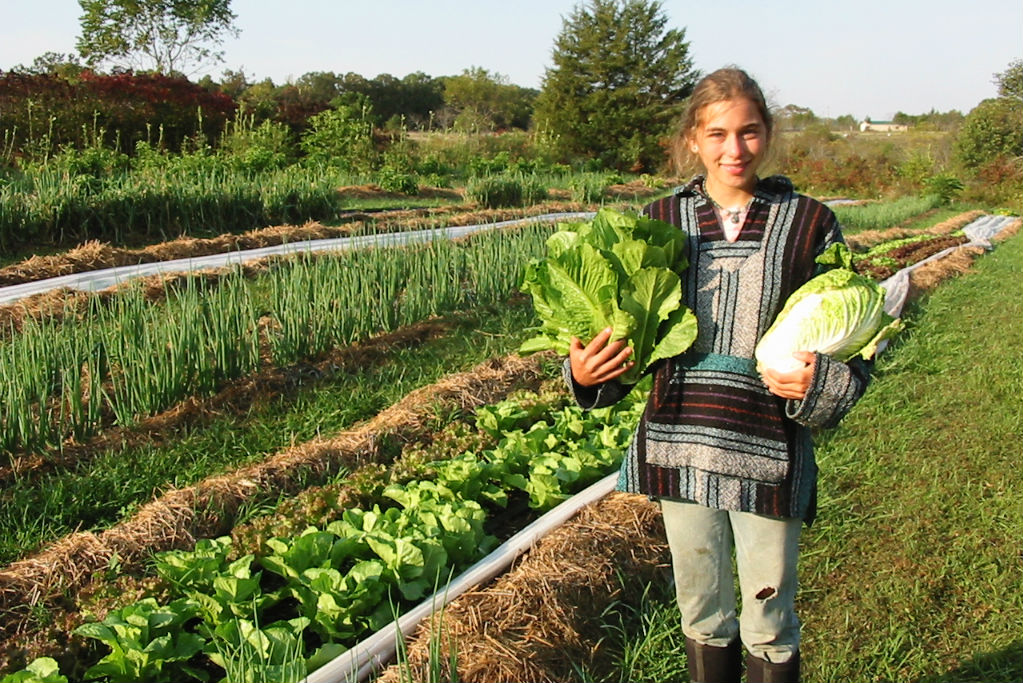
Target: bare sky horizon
871, 59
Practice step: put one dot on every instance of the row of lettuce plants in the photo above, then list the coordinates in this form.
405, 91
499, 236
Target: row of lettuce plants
298, 602
130, 358
885, 259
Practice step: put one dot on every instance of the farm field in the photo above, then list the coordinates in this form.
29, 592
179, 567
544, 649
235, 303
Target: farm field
303, 434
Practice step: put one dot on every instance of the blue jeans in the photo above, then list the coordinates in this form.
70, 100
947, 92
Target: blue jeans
701, 540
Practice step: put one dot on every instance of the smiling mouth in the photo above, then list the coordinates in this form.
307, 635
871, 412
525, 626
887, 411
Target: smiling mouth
735, 169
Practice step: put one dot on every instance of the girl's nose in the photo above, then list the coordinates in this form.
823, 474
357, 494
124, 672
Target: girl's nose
734, 146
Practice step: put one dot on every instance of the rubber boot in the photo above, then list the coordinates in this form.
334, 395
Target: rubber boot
762, 671
710, 664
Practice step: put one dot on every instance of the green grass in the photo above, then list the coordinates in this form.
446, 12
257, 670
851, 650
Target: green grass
103, 490
911, 572
645, 638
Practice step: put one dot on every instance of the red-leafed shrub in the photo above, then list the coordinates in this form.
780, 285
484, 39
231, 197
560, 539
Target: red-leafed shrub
39, 113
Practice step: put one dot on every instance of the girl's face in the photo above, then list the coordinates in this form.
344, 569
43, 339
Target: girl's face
731, 141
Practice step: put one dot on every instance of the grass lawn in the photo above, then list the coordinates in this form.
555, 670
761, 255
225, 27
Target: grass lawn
912, 572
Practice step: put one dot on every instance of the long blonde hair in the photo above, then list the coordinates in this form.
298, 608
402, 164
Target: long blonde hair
727, 83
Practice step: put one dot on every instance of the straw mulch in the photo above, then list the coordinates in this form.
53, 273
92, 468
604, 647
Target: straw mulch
96, 255
861, 241
179, 517
537, 620
930, 275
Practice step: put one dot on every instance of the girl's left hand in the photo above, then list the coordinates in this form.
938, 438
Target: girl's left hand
793, 384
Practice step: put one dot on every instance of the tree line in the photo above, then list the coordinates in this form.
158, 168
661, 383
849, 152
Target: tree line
618, 81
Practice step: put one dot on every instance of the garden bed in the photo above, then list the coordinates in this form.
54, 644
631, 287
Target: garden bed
95, 561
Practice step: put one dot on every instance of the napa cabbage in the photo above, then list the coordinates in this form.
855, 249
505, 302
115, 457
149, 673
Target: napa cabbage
619, 270
838, 313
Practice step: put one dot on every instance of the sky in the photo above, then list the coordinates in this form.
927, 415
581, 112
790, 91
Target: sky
870, 58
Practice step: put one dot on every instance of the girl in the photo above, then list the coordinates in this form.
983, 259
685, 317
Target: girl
725, 450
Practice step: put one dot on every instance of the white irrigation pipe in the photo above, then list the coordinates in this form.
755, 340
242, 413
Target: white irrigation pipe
378, 649
97, 280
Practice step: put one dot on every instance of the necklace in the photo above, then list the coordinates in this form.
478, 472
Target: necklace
735, 213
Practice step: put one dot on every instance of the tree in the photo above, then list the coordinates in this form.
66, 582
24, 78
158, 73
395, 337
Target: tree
994, 128
487, 101
904, 119
422, 96
617, 84
794, 117
845, 122
1010, 81
57, 63
167, 36
319, 86
234, 82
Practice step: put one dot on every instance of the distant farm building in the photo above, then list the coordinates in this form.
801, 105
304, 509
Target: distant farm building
882, 127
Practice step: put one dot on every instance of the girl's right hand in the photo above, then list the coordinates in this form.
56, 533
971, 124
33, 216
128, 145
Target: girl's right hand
598, 361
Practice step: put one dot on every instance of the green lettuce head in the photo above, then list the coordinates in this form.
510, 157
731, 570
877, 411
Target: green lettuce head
838, 313
620, 271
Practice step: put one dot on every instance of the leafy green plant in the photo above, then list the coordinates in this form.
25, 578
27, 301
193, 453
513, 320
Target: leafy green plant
341, 138
252, 148
272, 654
945, 185
394, 179
617, 271
223, 589
194, 568
339, 583
41, 670
148, 642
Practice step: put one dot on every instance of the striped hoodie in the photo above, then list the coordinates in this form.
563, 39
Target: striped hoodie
712, 433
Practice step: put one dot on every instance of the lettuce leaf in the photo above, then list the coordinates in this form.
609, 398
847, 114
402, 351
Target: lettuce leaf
621, 271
